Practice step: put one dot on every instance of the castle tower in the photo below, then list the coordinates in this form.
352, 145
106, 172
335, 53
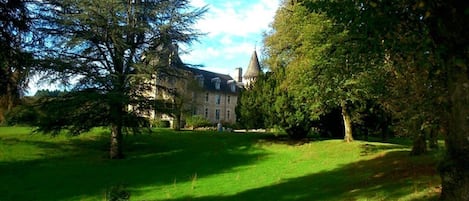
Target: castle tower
253, 71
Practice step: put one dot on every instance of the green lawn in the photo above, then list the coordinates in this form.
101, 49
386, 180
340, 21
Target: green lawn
176, 166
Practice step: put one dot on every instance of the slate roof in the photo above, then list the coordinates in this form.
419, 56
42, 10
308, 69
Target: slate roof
254, 68
209, 83
208, 76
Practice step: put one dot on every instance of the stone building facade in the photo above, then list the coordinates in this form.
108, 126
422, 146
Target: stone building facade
211, 95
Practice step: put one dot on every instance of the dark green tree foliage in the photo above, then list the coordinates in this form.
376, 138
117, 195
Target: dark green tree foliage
448, 22
254, 109
421, 50
325, 64
106, 47
14, 60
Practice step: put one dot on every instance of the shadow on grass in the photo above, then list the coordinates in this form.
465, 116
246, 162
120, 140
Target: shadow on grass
391, 176
78, 167
369, 148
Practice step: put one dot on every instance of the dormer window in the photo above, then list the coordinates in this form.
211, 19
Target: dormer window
217, 82
200, 80
232, 85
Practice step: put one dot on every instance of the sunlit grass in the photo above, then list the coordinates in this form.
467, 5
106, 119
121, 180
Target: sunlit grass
167, 165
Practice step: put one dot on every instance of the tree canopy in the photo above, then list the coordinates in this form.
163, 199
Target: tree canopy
408, 56
104, 49
15, 60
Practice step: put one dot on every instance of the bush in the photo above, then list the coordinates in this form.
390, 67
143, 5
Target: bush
22, 115
197, 121
160, 123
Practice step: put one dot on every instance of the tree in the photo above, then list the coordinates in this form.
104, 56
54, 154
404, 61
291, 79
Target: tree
103, 45
425, 39
15, 61
254, 108
448, 24
323, 62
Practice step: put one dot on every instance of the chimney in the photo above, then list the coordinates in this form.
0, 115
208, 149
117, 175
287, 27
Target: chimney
238, 74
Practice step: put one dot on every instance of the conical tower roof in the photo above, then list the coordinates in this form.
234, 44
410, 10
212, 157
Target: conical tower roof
254, 69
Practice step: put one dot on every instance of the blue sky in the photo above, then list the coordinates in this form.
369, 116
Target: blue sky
233, 30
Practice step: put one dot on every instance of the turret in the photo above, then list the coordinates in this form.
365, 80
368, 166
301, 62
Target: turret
253, 71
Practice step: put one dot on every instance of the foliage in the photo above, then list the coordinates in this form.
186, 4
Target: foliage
162, 165
254, 107
49, 93
197, 121
318, 70
15, 60
160, 123
22, 115
178, 93
416, 51
113, 49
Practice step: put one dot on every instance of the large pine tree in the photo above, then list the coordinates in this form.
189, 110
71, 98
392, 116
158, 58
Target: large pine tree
14, 59
110, 49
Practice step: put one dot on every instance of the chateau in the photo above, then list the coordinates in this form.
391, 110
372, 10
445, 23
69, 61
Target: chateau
211, 95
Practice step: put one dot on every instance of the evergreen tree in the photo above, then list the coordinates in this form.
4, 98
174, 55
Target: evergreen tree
15, 61
109, 46
254, 108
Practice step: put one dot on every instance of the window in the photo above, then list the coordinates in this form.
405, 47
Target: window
206, 113
194, 111
228, 99
200, 80
206, 97
228, 114
217, 82
218, 99
233, 87
217, 114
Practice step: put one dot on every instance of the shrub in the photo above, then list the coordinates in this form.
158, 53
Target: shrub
22, 115
197, 121
160, 123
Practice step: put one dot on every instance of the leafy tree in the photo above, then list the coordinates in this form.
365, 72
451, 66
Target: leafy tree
15, 61
177, 96
424, 45
323, 63
103, 45
448, 24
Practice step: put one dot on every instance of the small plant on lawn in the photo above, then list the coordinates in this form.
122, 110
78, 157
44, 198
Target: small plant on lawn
117, 193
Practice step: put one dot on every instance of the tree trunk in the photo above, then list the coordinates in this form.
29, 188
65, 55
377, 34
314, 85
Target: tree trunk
116, 142
433, 137
454, 169
177, 122
419, 145
347, 124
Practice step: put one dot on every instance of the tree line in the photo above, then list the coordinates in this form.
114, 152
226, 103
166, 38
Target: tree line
391, 67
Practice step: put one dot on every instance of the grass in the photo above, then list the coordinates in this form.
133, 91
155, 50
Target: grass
205, 166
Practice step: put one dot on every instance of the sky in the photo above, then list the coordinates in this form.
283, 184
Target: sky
233, 30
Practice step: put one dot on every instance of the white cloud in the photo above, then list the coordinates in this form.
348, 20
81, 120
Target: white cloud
237, 18
233, 30
198, 3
